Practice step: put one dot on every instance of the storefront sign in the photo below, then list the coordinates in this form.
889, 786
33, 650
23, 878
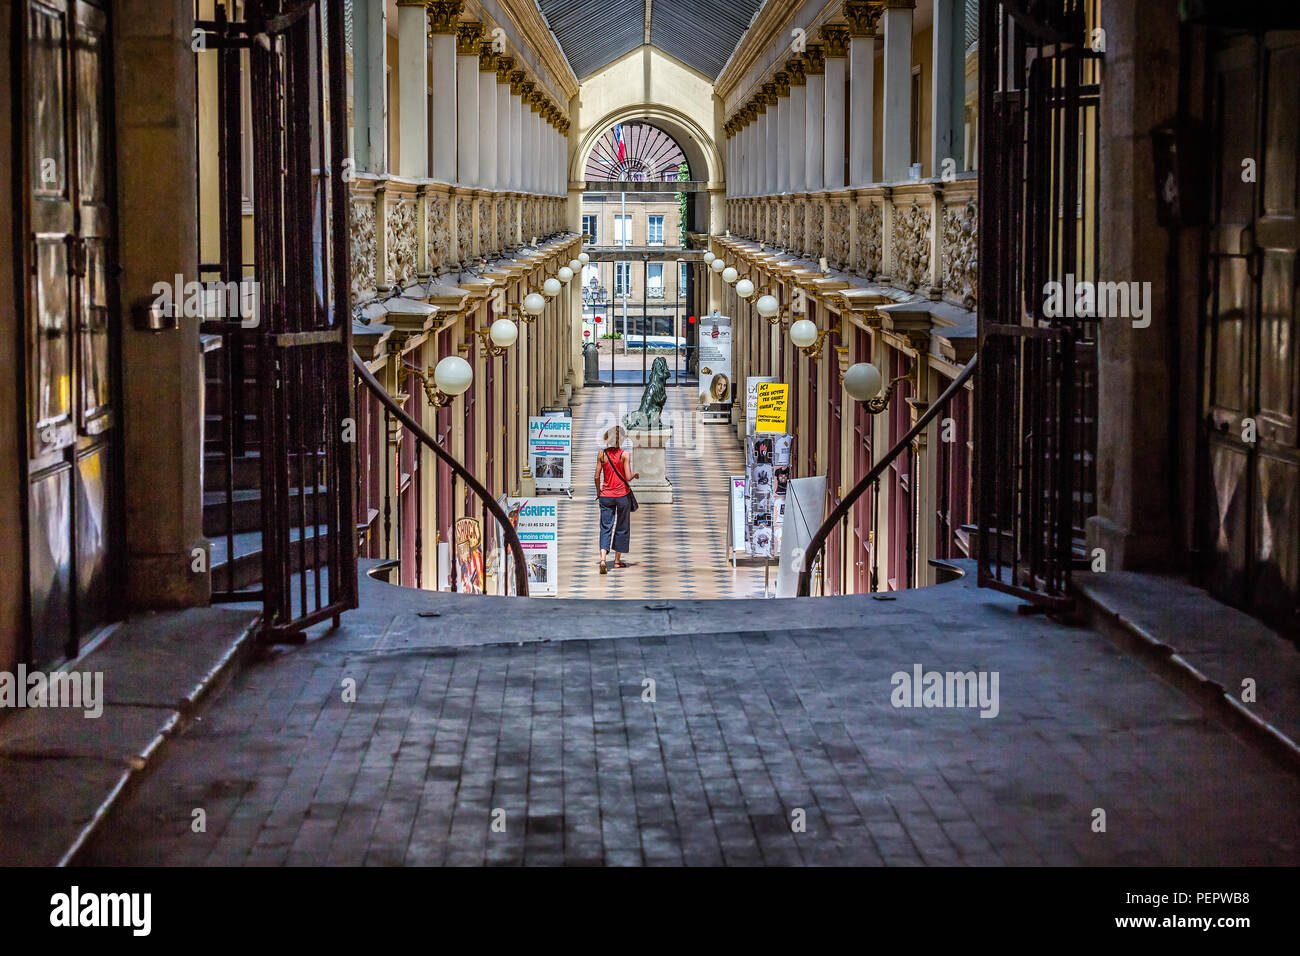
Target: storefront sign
773, 408
537, 522
550, 451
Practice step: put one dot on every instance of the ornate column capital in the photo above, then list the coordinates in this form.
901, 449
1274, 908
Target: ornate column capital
487, 57
467, 38
517, 80
782, 80
768, 95
443, 15
505, 64
836, 38
814, 58
863, 15
797, 70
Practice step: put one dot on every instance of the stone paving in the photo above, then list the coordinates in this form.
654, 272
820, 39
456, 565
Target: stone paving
750, 731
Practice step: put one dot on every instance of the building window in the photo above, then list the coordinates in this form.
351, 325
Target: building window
622, 278
655, 231
655, 275
681, 279
591, 229
622, 229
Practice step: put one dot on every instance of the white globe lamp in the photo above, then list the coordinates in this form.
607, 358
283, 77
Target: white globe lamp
767, 306
503, 333
583, 258
717, 265
744, 288
535, 303
708, 258
551, 287
862, 381
453, 375
803, 333
564, 274
575, 265
730, 275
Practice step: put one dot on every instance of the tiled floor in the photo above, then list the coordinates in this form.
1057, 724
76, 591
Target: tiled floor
678, 549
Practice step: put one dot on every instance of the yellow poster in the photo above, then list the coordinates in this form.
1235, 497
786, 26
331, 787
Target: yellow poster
773, 407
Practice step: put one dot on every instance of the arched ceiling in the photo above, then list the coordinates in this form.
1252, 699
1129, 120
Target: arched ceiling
593, 33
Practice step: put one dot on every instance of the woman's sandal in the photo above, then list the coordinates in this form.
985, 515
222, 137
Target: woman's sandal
621, 564
603, 569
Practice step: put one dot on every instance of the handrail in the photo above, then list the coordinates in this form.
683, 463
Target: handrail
512, 537
818, 540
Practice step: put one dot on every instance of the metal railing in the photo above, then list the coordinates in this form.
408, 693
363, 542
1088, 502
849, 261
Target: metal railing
392, 410
841, 511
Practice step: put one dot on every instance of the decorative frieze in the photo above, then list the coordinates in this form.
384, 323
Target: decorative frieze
437, 232
401, 241
484, 228
911, 246
361, 246
870, 240
464, 230
837, 250
960, 252
505, 225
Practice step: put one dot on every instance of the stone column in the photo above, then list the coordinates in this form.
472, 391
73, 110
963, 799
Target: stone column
836, 38
798, 120
162, 372
468, 110
412, 89
782, 82
369, 133
948, 70
517, 80
897, 121
442, 110
487, 115
771, 178
862, 17
505, 128
814, 58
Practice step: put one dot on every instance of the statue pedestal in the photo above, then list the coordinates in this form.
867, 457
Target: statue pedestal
649, 450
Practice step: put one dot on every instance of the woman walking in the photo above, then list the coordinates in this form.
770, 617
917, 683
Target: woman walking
614, 495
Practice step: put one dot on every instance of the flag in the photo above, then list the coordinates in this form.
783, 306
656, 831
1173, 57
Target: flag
618, 142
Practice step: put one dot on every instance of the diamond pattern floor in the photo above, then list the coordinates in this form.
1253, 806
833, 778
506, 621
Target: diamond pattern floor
678, 549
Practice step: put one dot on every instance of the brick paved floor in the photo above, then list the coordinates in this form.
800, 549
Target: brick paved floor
554, 739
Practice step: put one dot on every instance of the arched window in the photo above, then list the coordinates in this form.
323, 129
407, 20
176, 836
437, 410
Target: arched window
636, 152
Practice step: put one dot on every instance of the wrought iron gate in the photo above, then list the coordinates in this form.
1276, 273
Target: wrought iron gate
290, 55
1040, 73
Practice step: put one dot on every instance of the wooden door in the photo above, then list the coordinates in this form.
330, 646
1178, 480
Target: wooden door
1251, 522
70, 341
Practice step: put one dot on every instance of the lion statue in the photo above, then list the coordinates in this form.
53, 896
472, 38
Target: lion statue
652, 400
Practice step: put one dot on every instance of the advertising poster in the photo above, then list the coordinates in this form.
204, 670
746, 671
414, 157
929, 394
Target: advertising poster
469, 556
715, 363
767, 477
550, 451
738, 513
751, 399
773, 407
537, 522
500, 564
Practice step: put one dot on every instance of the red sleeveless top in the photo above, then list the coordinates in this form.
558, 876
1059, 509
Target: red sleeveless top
611, 484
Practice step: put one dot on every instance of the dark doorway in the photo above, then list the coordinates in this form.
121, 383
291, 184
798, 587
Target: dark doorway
70, 336
1250, 522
